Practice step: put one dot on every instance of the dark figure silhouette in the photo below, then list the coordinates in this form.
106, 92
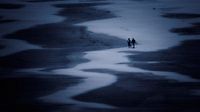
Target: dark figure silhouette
133, 42
129, 42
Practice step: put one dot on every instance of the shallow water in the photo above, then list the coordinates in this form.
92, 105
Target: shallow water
134, 19
139, 20
103, 59
30, 15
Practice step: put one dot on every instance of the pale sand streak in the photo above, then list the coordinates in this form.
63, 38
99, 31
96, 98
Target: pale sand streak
102, 59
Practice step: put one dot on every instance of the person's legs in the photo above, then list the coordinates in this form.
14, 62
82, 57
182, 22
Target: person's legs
133, 45
129, 45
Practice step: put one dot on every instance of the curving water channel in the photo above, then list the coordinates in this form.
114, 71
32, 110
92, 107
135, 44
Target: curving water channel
102, 59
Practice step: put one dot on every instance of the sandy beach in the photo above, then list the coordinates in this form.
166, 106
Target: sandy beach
72, 55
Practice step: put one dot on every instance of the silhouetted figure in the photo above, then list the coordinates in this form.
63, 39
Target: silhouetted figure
133, 42
129, 42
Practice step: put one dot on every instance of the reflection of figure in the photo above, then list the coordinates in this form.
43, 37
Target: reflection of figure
129, 42
133, 42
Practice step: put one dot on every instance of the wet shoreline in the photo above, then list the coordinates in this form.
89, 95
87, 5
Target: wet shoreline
57, 49
63, 45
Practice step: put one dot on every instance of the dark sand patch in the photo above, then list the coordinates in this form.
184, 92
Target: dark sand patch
7, 21
41, 0
181, 15
169, 8
2, 20
11, 6
61, 35
145, 92
145, 0
2, 47
191, 30
183, 59
21, 93
82, 12
95, 0
79, 5
46, 58
66, 35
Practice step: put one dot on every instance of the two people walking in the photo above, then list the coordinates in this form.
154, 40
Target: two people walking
131, 43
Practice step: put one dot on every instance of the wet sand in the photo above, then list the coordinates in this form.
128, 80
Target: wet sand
62, 45
85, 11
2, 20
61, 39
38, 59
67, 35
149, 93
183, 59
132, 92
1, 47
181, 15
41, 0
11, 6
194, 29
21, 92
6, 21
145, 92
